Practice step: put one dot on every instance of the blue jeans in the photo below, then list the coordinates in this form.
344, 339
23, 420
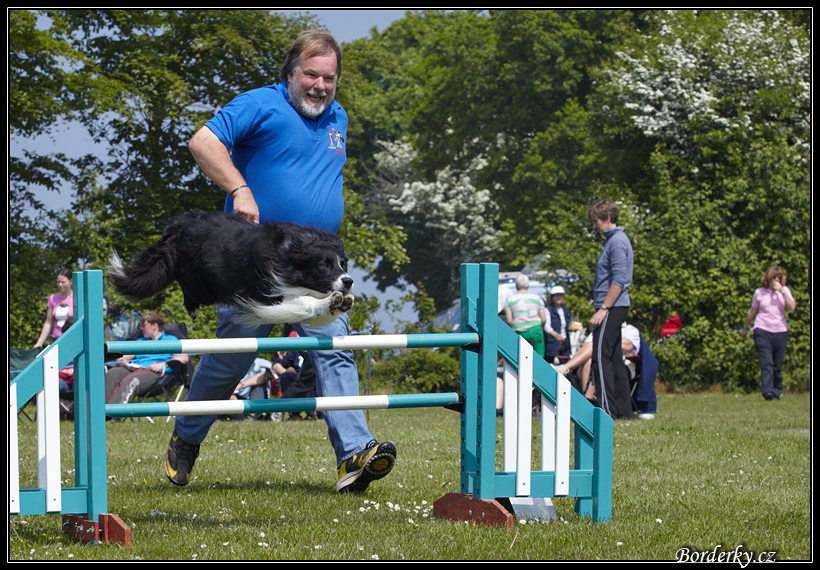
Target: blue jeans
217, 375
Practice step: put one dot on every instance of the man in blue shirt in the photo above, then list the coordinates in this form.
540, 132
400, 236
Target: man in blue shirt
278, 153
610, 297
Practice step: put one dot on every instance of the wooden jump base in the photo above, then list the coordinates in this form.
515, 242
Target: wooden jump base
483, 337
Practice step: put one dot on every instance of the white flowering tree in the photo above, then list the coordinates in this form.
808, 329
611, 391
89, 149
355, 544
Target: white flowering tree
448, 220
725, 70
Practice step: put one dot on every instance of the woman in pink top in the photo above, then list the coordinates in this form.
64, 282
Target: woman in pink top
59, 310
768, 310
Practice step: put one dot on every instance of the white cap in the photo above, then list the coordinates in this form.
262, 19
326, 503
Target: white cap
557, 290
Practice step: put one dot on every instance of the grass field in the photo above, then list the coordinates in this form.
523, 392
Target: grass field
713, 474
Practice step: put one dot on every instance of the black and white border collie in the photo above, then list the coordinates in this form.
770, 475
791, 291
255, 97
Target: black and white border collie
272, 273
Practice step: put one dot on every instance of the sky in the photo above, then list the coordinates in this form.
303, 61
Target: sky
346, 26
349, 25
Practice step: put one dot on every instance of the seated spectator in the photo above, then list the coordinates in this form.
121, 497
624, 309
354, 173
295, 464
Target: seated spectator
256, 385
302, 384
296, 377
280, 378
135, 375
286, 369
645, 396
581, 361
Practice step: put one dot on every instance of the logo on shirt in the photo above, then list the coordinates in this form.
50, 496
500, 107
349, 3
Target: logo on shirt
336, 141
62, 313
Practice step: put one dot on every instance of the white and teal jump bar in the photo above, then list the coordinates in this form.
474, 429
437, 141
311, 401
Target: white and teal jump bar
229, 407
354, 342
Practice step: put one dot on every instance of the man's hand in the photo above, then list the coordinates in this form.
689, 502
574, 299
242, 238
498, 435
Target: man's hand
598, 318
245, 205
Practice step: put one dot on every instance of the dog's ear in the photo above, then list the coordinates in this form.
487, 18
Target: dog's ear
280, 235
291, 239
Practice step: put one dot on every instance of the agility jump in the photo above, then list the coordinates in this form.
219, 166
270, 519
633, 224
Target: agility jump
485, 494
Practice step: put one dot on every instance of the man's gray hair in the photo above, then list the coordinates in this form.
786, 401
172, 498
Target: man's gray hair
522, 282
308, 44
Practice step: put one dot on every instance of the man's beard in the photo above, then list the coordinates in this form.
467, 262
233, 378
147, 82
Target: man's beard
308, 109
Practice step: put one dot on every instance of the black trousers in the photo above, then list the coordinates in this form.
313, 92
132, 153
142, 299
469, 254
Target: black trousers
608, 372
122, 384
771, 350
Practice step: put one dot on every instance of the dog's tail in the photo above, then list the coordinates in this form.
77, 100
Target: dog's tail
150, 272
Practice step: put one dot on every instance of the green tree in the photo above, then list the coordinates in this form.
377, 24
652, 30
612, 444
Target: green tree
698, 128
710, 246
42, 91
724, 97
736, 154
463, 86
696, 122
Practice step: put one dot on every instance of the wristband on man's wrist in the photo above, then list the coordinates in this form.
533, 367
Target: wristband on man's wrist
238, 188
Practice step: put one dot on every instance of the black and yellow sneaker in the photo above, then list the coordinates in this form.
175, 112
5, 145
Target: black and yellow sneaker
179, 460
373, 463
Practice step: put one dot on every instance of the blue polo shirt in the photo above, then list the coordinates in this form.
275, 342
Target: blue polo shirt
293, 165
146, 360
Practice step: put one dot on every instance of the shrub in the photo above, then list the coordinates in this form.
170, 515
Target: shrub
420, 371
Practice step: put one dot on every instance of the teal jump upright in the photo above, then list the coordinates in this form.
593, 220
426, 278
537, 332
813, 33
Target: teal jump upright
483, 339
483, 487
83, 506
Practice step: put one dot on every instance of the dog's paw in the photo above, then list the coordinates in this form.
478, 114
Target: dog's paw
347, 303
340, 303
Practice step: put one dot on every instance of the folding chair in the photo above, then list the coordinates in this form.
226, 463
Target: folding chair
19, 358
635, 380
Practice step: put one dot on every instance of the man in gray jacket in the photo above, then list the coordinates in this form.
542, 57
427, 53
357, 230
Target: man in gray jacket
610, 297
